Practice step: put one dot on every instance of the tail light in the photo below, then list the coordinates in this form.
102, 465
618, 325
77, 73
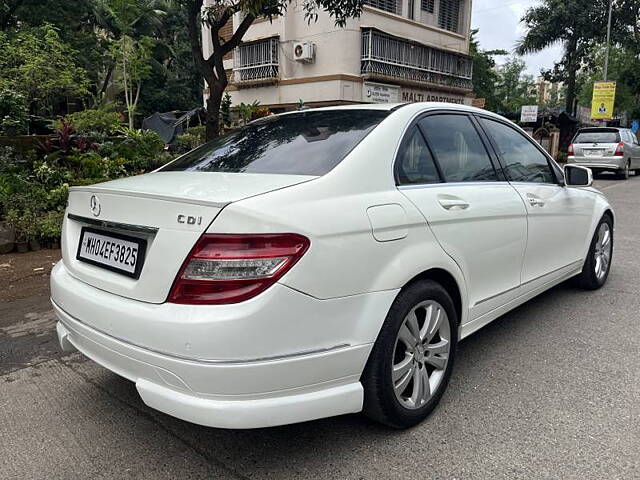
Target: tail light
619, 150
229, 268
570, 149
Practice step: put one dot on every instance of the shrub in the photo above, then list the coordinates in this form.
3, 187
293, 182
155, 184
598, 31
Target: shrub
97, 121
190, 139
14, 112
140, 150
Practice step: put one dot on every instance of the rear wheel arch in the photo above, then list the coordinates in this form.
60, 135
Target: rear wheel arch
447, 281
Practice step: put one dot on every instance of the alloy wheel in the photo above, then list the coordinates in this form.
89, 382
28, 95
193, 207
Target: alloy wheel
602, 251
421, 354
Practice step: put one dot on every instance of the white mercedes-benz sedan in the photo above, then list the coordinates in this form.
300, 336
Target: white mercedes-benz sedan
321, 262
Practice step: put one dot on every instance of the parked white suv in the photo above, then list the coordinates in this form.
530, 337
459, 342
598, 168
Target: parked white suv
321, 262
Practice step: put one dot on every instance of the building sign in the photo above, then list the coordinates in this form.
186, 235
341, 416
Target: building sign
415, 95
478, 102
380, 93
529, 113
604, 96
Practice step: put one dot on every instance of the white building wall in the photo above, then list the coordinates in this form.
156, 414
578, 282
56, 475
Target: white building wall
334, 76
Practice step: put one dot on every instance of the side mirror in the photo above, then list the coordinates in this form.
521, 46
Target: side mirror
577, 176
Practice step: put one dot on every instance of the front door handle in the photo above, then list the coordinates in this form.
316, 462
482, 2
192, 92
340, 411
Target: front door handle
535, 201
453, 203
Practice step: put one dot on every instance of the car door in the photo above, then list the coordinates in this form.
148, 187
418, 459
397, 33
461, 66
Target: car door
558, 218
445, 169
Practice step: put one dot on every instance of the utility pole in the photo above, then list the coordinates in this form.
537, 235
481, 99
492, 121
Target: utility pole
606, 55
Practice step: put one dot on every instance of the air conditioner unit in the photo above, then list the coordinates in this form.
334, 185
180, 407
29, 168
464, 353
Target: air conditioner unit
304, 52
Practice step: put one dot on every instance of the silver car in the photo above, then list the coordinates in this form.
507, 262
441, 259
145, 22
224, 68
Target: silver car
606, 149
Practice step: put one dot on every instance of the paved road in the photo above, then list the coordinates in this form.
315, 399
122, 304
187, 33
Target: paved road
551, 390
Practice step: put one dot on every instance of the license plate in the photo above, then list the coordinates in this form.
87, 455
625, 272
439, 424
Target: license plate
594, 153
113, 251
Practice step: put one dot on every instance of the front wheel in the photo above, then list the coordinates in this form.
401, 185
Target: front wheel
411, 362
597, 265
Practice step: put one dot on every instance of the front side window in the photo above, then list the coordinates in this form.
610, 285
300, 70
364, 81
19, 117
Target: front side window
458, 148
301, 143
522, 160
415, 164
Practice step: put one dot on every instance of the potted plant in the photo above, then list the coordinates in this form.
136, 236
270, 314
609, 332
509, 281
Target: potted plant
23, 225
7, 237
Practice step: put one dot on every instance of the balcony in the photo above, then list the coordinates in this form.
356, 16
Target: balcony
385, 57
444, 14
256, 63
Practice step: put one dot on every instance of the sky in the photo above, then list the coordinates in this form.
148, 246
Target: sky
499, 26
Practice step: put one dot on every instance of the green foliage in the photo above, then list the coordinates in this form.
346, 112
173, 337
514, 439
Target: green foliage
485, 76
624, 69
141, 150
514, 88
225, 111
576, 24
193, 137
37, 64
92, 121
132, 59
13, 112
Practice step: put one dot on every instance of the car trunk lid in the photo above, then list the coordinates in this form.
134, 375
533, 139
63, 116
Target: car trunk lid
168, 211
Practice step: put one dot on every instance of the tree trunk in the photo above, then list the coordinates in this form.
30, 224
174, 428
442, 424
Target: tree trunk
572, 71
212, 122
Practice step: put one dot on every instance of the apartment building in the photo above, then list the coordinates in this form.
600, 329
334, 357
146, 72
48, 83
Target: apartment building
549, 93
397, 51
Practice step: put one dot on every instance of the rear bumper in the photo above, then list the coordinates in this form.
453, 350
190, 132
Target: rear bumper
162, 389
604, 163
218, 390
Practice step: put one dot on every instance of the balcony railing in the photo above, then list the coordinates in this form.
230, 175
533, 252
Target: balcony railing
256, 61
390, 57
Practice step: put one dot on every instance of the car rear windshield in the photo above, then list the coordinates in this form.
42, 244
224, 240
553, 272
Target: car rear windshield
301, 143
597, 136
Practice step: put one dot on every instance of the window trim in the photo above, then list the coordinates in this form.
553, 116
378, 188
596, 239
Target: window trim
493, 159
416, 122
414, 127
556, 171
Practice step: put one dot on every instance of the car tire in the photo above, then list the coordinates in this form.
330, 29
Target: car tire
385, 400
592, 276
623, 173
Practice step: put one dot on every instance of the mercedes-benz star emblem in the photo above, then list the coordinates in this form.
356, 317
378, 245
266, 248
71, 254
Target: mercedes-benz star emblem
95, 205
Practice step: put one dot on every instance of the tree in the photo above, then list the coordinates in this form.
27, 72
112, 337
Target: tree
36, 63
219, 12
514, 88
577, 25
132, 58
624, 69
485, 76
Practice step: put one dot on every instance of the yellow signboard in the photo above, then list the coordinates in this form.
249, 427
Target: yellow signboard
604, 96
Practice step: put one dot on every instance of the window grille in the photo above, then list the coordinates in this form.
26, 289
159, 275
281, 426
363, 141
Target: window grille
391, 6
386, 56
449, 15
427, 5
256, 61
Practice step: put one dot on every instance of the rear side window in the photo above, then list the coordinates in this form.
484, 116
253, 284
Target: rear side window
458, 148
522, 159
595, 136
302, 143
415, 163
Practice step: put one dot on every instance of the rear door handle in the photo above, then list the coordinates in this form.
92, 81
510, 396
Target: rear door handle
535, 201
453, 203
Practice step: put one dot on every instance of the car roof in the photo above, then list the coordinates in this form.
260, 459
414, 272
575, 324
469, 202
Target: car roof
395, 106
601, 129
